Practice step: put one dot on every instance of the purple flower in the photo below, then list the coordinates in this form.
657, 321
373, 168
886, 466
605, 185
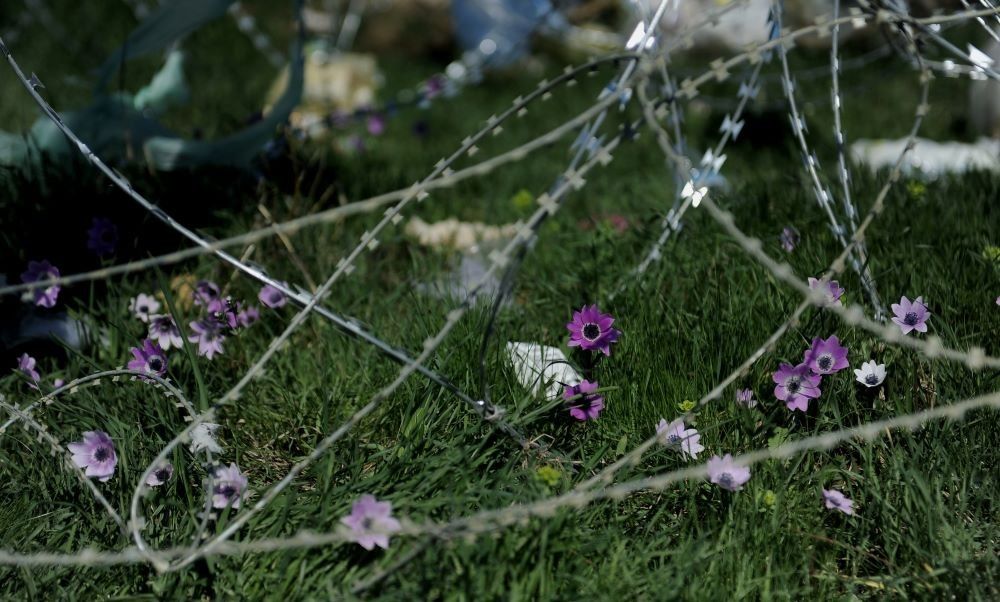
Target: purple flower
58, 383
247, 316
789, 238
744, 397
727, 474
376, 124
583, 403
228, 487
149, 358
42, 270
165, 332
272, 297
371, 522
836, 500
102, 237
831, 291
674, 435
590, 329
96, 453
224, 312
208, 335
796, 385
911, 316
826, 356
26, 365
144, 306
163, 473
870, 374
205, 291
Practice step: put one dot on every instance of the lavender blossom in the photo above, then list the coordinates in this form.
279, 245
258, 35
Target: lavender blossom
144, 306
796, 385
164, 331
26, 366
674, 435
163, 473
835, 500
832, 292
727, 474
371, 522
208, 334
149, 358
40, 271
911, 316
229, 486
272, 297
826, 356
95, 453
590, 329
583, 403
744, 397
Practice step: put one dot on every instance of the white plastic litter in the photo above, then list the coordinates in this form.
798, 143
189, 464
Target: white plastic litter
539, 367
929, 159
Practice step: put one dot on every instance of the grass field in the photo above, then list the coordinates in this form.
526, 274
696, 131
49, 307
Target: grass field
927, 526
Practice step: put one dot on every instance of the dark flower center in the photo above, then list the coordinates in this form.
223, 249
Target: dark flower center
910, 319
143, 309
591, 331
101, 454
155, 363
275, 296
825, 361
162, 475
793, 384
226, 490
726, 480
673, 439
367, 523
871, 379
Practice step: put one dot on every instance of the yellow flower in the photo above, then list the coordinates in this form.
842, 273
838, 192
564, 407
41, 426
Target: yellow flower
991, 253
522, 200
770, 498
687, 405
916, 189
549, 475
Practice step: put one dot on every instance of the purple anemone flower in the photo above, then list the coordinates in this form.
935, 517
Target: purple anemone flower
165, 332
272, 297
371, 522
224, 311
590, 329
208, 334
247, 316
796, 385
911, 316
789, 238
149, 358
674, 435
835, 500
96, 453
832, 292
826, 356
163, 473
102, 237
38, 271
727, 474
26, 365
228, 487
205, 291
583, 403
376, 124
143, 306
744, 397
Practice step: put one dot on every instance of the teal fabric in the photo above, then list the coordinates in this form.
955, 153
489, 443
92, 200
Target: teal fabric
116, 126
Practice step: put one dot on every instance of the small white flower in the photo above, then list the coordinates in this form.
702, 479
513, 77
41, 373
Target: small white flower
870, 374
674, 435
203, 437
144, 306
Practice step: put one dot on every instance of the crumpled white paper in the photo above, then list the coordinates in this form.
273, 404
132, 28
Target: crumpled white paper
539, 367
928, 158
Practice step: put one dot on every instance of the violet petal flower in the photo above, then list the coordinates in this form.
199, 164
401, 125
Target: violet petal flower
163, 473
796, 385
911, 316
744, 397
229, 486
144, 306
870, 374
835, 500
205, 291
582, 402
727, 474
371, 522
149, 358
39, 271
247, 316
590, 329
271, 297
376, 124
832, 292
789, 238
102, 237
209, 337
26, 365
826, 356
165, 332
674, 435
95, 453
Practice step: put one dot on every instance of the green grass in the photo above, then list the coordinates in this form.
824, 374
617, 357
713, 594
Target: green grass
928, 526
